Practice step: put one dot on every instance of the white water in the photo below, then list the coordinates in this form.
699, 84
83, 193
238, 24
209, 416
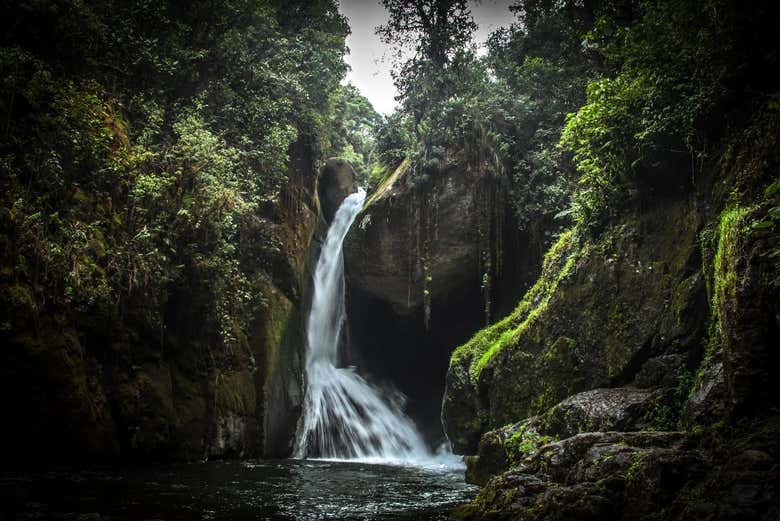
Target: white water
345, 417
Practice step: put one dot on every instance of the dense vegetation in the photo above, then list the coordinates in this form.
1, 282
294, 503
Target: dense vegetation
575, 102
158, 163
157, 171
141, 141
648, 131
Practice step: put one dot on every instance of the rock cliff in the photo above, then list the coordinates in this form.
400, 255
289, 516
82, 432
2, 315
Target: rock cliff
637, 379
420, 265
99, 388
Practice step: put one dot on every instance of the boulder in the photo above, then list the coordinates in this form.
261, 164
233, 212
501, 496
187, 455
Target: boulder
335, 182
419, 265
616, 409
592, 476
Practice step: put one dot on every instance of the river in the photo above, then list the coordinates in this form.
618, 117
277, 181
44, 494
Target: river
236, 490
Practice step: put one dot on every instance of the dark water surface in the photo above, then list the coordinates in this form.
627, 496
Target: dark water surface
277, 490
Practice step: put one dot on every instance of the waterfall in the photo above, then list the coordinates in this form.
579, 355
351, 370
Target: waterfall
344, 416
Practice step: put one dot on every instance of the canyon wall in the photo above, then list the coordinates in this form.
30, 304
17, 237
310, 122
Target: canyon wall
637, 378
101, 388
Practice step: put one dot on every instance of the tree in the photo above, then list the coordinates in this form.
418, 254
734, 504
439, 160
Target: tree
434, 28
355, 121
436, 31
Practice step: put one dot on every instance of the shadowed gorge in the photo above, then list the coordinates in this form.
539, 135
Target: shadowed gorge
392, 260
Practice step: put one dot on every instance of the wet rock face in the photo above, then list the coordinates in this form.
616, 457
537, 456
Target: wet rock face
592, 476
749, 317
385, 251
416, 262
336, 181
230, 436
462, 416
615, 409
433, 240
631, 295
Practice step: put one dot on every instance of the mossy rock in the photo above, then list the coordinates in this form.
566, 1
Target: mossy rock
562, 339
190, 404
235, 393
145, 410
745, 304
615, 409
589, 476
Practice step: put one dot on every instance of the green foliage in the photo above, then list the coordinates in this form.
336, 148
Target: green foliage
356, 120
434, 29
436, 32
143, 143
524, 442
731, 228
604, 146
544, 66
394, 140
769, 223
500, 114
674, 67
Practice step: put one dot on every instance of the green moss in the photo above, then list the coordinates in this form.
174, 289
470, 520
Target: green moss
663, 412
98, 242
720, 251
707, 240
235, 392
480, 350
617, 346
558, 367
387, 183
493, 502
278, 312
188, 397
524, 442
637, 464
731, 227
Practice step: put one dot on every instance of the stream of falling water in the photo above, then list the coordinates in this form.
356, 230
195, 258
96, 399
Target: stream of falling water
344, 416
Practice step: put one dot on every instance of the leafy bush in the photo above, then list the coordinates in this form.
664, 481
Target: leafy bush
676, 67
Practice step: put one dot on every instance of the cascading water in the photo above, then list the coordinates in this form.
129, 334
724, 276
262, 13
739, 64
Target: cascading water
344, 416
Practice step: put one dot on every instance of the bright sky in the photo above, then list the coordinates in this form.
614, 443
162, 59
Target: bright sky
370, 59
